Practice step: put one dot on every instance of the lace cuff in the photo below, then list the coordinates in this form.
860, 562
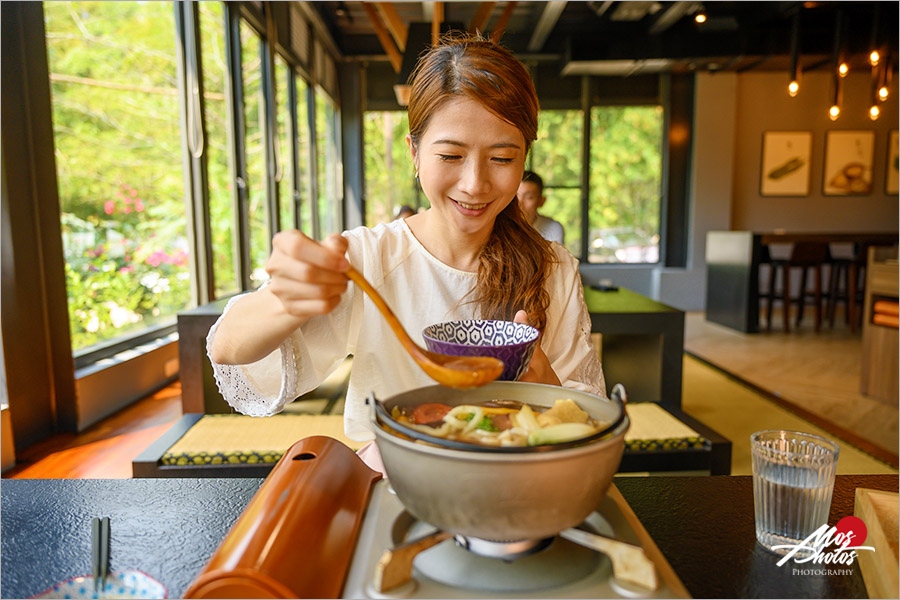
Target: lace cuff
263, 388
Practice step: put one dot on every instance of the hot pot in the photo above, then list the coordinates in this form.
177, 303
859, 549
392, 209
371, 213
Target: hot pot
502, 494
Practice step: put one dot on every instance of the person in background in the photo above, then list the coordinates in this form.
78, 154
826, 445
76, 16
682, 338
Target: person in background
473, 114
404, 211
531, 198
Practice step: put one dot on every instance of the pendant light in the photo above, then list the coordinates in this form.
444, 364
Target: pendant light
794, 85
835, 111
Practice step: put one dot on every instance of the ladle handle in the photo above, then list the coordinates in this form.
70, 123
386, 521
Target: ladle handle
357, 278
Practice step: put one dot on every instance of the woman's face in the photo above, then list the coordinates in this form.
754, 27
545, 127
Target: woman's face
470, 163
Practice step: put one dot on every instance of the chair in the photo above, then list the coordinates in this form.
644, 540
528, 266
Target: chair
806, 256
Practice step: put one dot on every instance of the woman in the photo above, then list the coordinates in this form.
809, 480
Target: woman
472, 117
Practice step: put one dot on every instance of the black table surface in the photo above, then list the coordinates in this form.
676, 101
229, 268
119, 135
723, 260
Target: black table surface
704, 526
169, 528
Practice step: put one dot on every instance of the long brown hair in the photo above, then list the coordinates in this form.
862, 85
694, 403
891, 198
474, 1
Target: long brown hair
516, 261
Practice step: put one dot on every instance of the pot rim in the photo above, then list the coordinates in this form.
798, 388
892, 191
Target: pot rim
380, 419
550, 454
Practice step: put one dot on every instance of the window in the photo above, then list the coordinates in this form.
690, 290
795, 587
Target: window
556, 157
218, 155
625, 184
304, 172
119, 166
284, 168
389, 170
328, 174
252, 51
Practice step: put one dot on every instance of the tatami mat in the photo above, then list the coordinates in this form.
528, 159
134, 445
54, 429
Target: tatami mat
238, 433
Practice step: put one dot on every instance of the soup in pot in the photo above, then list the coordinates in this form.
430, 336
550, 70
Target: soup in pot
501, 422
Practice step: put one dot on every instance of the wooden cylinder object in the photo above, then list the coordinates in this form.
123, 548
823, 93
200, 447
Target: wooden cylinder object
297, 535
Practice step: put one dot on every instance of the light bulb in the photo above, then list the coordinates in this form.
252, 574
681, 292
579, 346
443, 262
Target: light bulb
874, 57
882, 93
793, 88
700, 17
842, 69
834, 112
874, 112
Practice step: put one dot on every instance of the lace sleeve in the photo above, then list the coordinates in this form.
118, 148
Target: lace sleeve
263, 388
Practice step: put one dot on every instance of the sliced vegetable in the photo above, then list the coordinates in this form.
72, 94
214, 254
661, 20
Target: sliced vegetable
486, 424
526, 420
557, 434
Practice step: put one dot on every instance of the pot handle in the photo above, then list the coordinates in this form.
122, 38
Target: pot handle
618, 394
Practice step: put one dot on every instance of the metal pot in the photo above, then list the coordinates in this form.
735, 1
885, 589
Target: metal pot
503, 496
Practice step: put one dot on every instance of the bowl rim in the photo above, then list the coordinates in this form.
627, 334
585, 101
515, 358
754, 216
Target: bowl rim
535, 334
381, 419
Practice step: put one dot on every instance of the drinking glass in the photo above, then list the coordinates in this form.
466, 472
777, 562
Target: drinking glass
793, 478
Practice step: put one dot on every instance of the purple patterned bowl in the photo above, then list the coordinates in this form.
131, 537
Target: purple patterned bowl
513, 343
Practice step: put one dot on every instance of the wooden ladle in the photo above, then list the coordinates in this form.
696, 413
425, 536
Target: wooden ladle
452, 371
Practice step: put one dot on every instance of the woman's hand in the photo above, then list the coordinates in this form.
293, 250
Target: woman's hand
539, 369
307, 277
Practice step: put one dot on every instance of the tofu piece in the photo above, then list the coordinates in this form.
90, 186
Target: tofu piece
566, 411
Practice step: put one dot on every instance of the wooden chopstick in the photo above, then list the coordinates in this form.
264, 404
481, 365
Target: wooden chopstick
95, 552
100, 551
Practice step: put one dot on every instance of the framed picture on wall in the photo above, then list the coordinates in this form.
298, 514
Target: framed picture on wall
848, 163
785, 163
891, 183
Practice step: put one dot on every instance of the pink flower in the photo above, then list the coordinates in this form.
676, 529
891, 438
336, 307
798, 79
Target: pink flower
127, 209
109, 207
128, 269
138, 206
133, 192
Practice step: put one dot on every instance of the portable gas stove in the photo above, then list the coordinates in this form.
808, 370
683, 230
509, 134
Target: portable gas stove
472, 568
324, 525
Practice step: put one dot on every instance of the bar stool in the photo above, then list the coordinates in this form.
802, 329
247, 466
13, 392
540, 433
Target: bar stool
852, 271
806, 256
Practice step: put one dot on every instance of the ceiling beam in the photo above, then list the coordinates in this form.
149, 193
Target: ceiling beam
481, 18
437, 17
500, 27
384, 37
552, 11
670, 16
394, 22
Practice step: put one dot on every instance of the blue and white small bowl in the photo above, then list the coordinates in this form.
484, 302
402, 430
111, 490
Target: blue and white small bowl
513, 343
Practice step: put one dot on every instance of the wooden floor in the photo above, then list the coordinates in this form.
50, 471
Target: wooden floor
814, 375
105, 450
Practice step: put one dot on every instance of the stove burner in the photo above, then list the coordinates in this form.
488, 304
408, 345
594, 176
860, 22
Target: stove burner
508, 551
507, 567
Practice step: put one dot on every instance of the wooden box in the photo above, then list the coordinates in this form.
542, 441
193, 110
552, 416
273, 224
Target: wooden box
879, 511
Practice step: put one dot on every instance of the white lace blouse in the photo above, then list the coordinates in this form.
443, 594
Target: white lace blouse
421, 290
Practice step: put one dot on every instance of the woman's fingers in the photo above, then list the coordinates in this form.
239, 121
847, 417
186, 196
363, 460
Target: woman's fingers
307, 276
539, 369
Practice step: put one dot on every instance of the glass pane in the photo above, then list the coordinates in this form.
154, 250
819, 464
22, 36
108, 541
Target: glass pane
626, 167
556, 157
304, 173
255, 149
218, 156
564, 205
285, 172
329, 200
556, 154
389, 169
118, 157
